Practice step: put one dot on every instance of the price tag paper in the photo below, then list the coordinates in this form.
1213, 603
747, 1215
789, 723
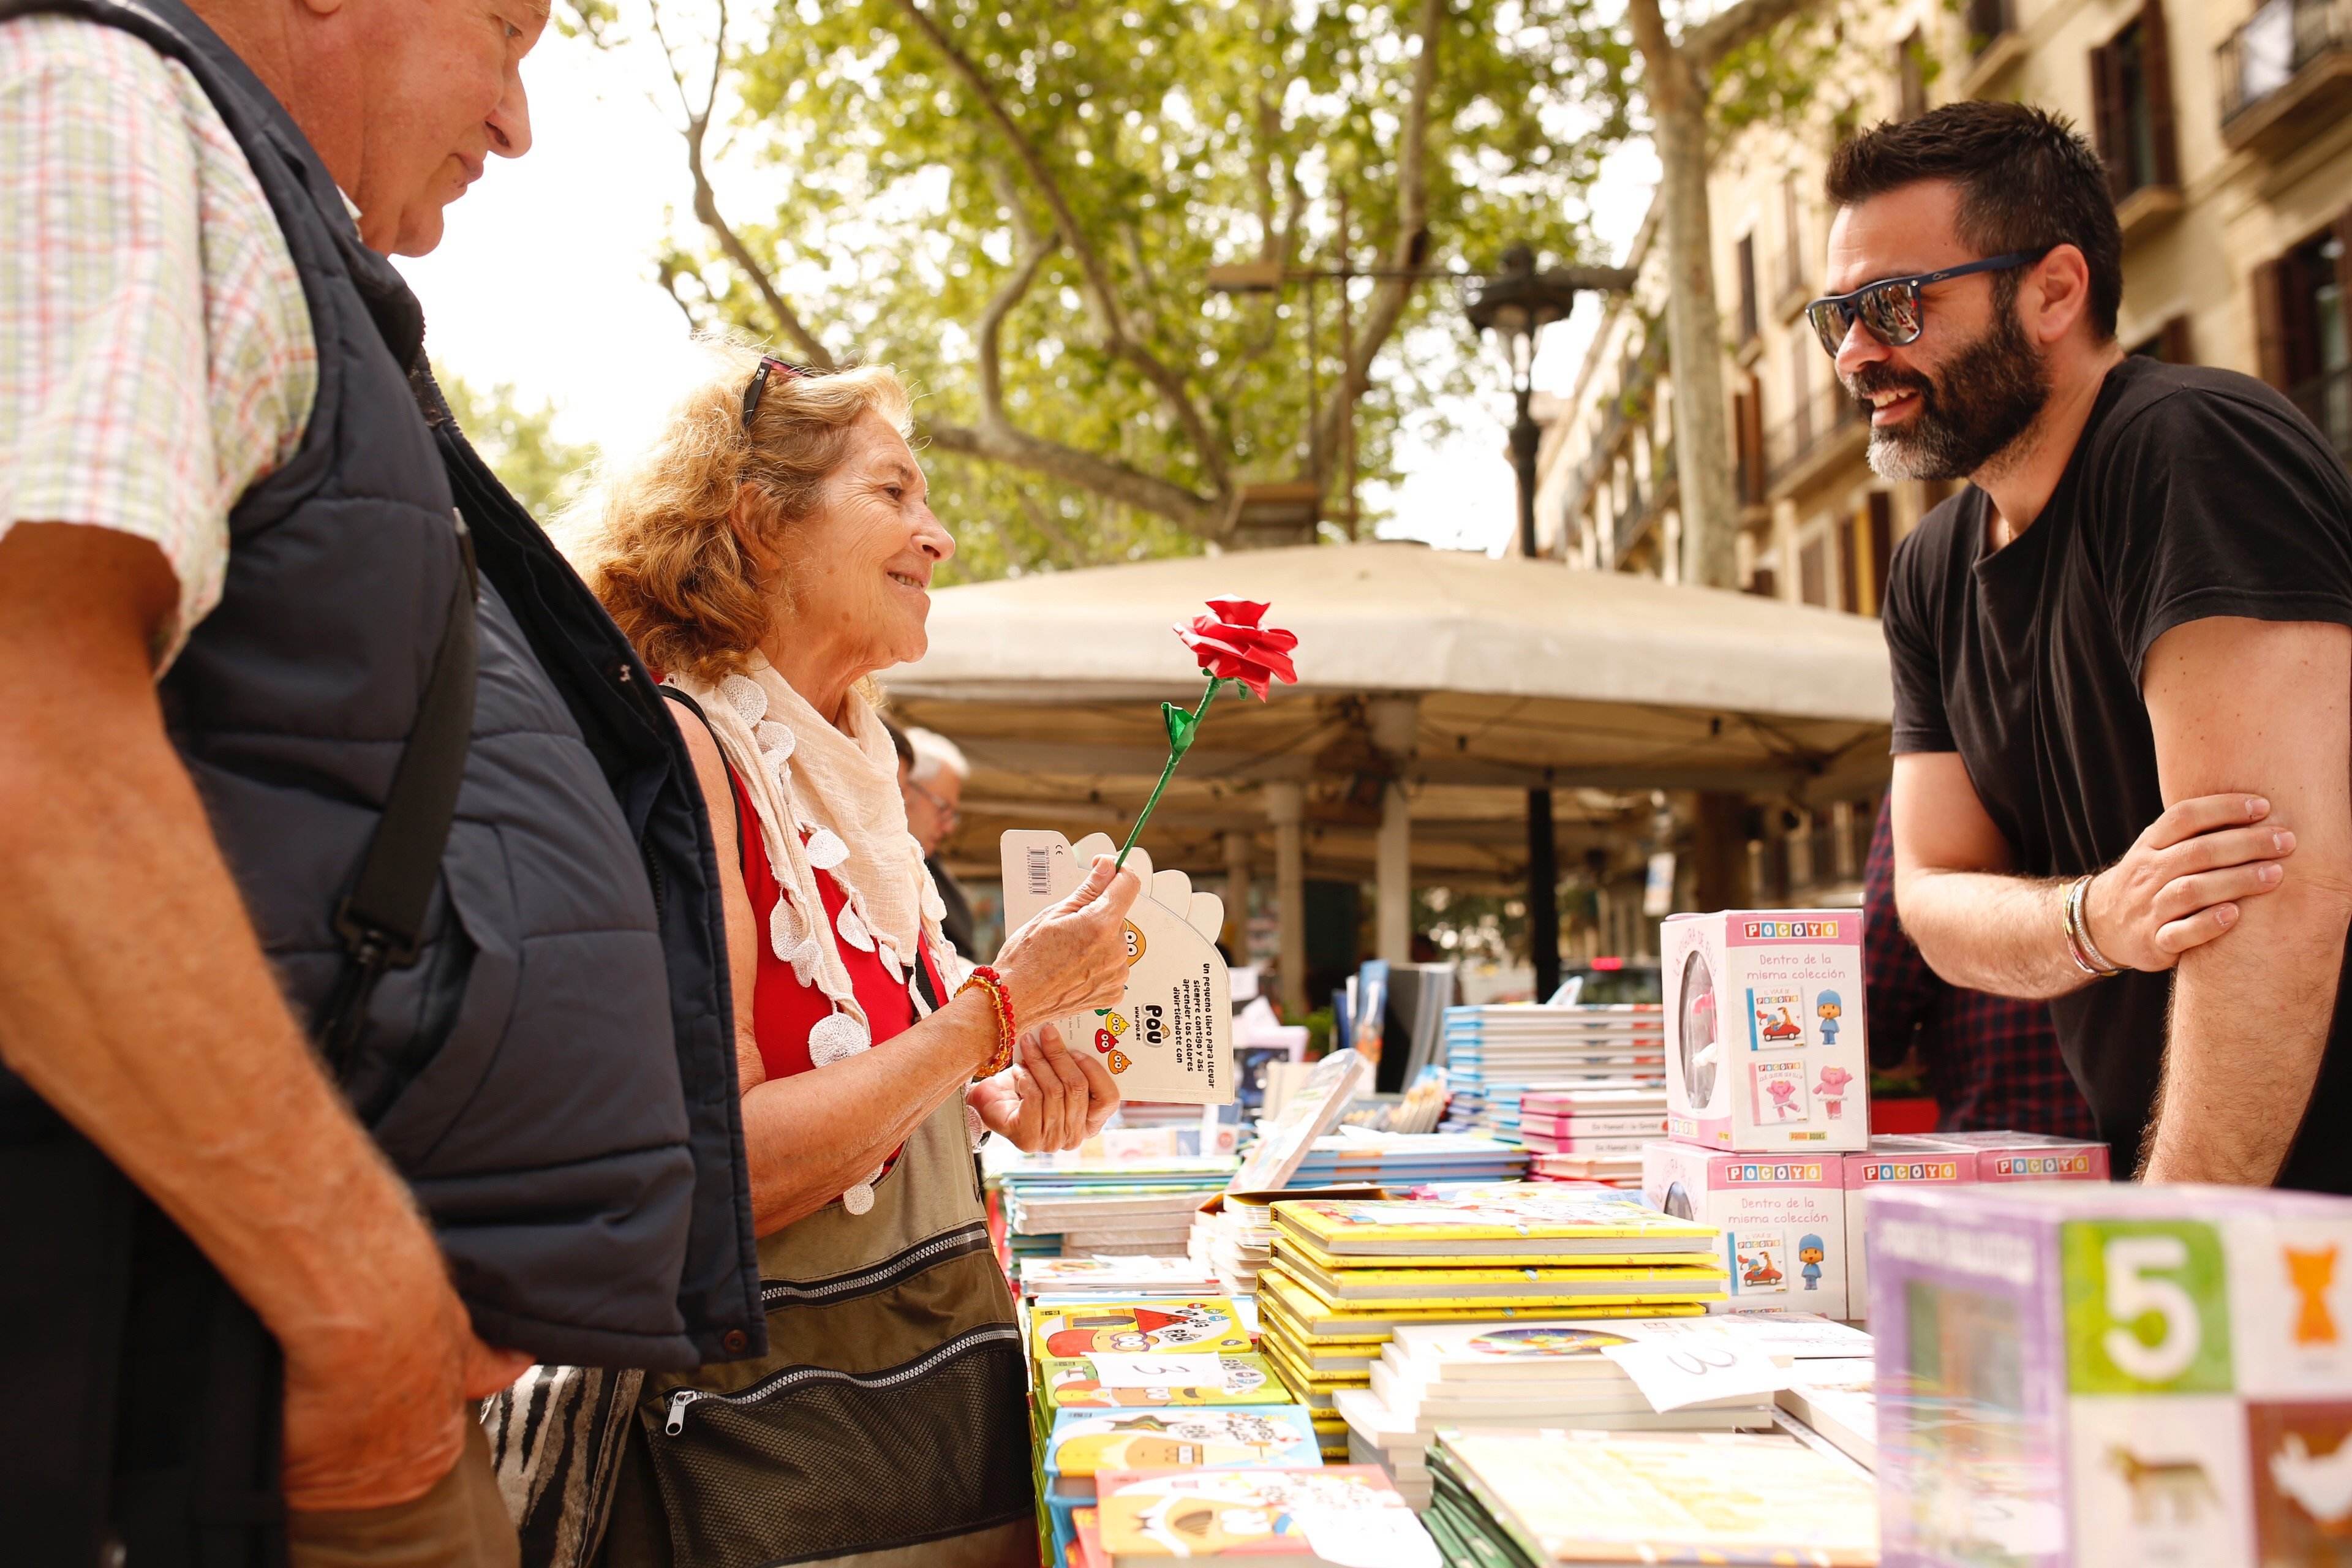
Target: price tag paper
1156, 1371
1694, 1369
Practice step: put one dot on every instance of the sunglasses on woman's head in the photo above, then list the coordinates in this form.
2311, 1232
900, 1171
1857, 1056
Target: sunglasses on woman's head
1891, 308
751, 394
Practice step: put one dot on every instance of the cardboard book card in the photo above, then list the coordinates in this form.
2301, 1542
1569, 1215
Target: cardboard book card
1170, 1037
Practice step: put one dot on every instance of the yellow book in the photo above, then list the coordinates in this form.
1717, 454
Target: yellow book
1320, 1319
1207, 1325
1291, 1243
1544, 1225
1075, 1383
1468, 1288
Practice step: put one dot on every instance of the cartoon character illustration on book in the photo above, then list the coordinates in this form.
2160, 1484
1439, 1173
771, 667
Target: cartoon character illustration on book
1832, 1089
2310, 1273
1779, 1026
1829, 1010
1544, 1341
1810, 1252
2178, 1489
1759, 1271
1195, 1440
1134, 1330
1781, 1090
2320, 1487
1215, 1515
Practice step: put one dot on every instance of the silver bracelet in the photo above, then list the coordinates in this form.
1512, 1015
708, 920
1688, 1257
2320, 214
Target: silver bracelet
2079, 945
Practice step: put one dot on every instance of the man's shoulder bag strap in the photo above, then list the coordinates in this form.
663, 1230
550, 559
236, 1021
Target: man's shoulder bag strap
382, 919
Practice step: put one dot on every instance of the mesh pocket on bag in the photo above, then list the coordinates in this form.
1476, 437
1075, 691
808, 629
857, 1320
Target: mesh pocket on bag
811, 1463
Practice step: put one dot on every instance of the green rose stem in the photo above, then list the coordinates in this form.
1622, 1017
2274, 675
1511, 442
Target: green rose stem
1180, 726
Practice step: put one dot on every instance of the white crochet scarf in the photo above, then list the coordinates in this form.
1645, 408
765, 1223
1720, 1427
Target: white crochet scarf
827, 800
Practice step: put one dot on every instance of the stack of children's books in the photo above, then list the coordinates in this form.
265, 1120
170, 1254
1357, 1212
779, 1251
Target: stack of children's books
1344, 1275
1342, 1516
1535, 1498
1233, 1240
1095, 1210
1591, 1134
1357, 1156
1156, 1383
1518, 1377
1837, 1401
1495, 1055
1116, 1275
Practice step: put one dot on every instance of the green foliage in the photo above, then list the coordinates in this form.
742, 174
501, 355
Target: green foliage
865, 175
544, 471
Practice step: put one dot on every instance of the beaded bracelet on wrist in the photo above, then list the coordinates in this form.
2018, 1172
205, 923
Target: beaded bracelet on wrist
988, 981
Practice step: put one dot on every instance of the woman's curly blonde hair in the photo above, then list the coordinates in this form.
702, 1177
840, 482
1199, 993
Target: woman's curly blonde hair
659, 548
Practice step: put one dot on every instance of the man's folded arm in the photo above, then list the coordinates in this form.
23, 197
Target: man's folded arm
1976, 925
2266, 707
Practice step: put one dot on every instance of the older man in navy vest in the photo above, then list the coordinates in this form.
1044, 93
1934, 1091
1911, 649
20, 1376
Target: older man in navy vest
365, 1029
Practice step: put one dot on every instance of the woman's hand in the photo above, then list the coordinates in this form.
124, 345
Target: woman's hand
1073, 955
2179, 887
1049, 1098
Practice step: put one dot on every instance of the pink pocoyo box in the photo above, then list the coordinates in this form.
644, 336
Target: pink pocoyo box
1767, 1049
2033, 1157
1782, 1218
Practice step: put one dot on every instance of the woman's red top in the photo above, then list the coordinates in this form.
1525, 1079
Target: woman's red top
784, 1010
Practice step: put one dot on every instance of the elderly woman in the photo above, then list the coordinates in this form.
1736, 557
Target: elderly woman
773, 552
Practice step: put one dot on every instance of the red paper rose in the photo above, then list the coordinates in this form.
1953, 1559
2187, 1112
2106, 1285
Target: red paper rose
1232, 645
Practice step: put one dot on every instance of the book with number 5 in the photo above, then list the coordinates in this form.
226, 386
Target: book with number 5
2117, 1374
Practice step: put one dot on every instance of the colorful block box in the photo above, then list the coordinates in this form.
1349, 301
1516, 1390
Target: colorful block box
2083, 1374
1782, 1218
1767, 1050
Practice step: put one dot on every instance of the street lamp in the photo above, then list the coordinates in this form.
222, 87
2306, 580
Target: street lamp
1516, 304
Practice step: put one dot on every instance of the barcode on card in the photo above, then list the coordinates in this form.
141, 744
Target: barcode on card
1041, 872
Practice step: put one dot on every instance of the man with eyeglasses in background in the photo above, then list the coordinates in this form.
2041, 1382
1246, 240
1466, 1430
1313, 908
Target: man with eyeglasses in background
933, 788
2122, 656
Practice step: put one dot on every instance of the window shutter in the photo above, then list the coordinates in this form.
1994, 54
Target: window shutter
1882, 547
1849, 589
2270, 322
2344, 258
2110, 125
2156, 68
2173, 342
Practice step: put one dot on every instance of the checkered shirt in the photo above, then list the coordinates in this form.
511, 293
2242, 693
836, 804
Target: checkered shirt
156, 356
1992, 1061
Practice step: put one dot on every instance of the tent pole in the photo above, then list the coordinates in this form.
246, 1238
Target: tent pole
1237, 893
1543, 905
1286, 808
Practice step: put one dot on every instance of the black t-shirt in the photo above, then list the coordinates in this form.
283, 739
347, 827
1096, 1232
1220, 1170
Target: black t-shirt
2191, 493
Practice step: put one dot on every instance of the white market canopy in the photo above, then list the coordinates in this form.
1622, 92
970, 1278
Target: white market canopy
1463, 676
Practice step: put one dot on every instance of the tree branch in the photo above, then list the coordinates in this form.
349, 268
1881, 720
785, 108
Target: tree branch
991, 327
706, 200
1102, 290
1114, 480
1386, 308
1706, 45
1042, 519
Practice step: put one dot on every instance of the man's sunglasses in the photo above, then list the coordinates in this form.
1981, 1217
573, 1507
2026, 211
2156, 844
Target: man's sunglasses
751, 394
1892, 309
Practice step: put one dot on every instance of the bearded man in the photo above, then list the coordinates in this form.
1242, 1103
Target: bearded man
2122, 655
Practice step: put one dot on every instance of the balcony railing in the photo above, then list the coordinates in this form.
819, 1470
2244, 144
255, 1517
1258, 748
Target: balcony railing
1792, 446
2326, 401
2263, 63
